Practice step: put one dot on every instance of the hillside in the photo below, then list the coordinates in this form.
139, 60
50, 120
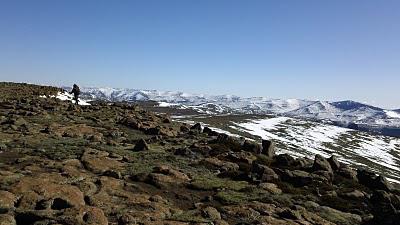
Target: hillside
116, 163
343, 113
303, 138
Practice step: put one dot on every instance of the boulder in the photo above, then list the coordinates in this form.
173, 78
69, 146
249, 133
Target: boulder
264, 173
383, 210
7, 201
184, 129
98, 161
211, 213
249, 146
171, 172
271, 188
141, 145
320, 163
347, 172
7, 219
186, 152
290, 214
284, 160
365, 176
241, 157
373, 181
95, 216
197, 128
163, 176
323, 176
356, 195
53, 195
210, 132
381, 183
167, 120
297, 177
223, 138
153, 130
3, 147
131, 122
338, 217
268, 148
335, 164
303, 163
223, 166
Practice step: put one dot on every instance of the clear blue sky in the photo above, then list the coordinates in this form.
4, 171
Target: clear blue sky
313, 49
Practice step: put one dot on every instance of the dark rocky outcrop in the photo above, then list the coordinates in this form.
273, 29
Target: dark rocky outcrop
210, 132
320, 163
249, 146
196, 128
268, 148
373, 181
383, 210
141, 145
284, 160
264, 173
335, 164
347, 172
297, 177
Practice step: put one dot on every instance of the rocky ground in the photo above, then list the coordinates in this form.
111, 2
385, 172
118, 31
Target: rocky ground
113, 163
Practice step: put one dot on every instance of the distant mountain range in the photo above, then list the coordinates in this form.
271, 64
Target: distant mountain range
343, 113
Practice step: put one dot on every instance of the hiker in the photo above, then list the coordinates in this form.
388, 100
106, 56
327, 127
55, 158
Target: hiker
76, 91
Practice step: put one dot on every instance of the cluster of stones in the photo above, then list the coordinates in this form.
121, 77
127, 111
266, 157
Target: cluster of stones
382, 198
95, 186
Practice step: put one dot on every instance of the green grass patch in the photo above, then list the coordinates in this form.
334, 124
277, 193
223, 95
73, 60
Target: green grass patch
215, 183
191, 216
250, 193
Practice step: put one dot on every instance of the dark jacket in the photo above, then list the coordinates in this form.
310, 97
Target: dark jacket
75, 90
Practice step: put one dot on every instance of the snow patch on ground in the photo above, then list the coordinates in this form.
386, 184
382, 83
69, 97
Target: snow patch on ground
190, 122
305, 139
223, 131
258, 127
309, 138
377, 151
166, 104
392, 114
65, 96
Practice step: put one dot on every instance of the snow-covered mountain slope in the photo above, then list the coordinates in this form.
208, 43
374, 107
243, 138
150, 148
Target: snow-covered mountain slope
341, 112
317, 110
393, 114
304, 138
235, 103
349, 105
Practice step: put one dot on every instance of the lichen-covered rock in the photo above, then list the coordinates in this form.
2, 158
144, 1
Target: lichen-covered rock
7, 219
211, 213
264, 173
271, 188
7, 201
